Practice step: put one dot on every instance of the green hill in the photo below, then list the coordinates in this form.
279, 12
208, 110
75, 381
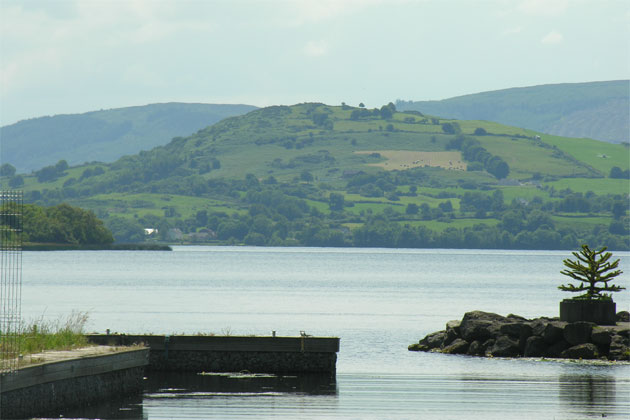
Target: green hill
597, 110
105, 135
314, 174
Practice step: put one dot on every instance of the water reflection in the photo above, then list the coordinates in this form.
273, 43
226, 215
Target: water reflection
169, 386
173, 384
589, 394
129, 408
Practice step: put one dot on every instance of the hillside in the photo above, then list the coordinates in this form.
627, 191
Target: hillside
104, 135
597, 110
313, 174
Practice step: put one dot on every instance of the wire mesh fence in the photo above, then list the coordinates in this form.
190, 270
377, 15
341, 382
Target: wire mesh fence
11, 210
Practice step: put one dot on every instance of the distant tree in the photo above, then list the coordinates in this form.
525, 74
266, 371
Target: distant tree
386, 112
361, 105
319, 118
449, 128
474, 166
88, 172
446, 206
306, 176
251, 181
64, 224
125, 230
201, 218
480, 131
61, 166
336, 201
7, 170
618, 227
16, 181
619, 209
616, 172
389, 127
412, 208
498, 167
47, 173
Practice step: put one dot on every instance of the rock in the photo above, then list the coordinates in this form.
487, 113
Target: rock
486, 347
478, 325
513, 329
517, 318
418, 347
458, 346
434, 340
453, 325
624, 330
581, 351
556, 349
538, 326
601, 335
535, 346
619, 348
553, 332
578, 332
451, 336
475, 349
623, 316
526, 332
504, 346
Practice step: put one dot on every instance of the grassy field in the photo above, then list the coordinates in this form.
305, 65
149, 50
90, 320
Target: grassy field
439, 226
525, 157
600, 155
598, 185
405, 159
584, 220
132, 205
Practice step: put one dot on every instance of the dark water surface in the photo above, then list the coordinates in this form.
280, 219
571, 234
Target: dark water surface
377, 300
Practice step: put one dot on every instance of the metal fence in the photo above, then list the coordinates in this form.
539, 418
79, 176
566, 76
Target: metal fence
11, 210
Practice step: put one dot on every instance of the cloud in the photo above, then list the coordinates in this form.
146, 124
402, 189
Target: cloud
513, 31
552, 38
316, 49
543, 7
305, 11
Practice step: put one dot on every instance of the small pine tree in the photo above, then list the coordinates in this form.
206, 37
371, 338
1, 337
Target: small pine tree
594, 276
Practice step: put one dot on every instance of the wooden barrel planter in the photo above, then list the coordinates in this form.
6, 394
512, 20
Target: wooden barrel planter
601, 312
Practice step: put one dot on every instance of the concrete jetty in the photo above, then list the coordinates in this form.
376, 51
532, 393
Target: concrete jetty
48, 382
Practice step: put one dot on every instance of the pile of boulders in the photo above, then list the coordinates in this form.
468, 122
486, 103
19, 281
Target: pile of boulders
492, 335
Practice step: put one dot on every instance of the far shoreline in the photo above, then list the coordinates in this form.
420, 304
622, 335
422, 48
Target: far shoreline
94, 247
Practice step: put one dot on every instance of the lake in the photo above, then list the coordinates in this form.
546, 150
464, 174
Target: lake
378, 301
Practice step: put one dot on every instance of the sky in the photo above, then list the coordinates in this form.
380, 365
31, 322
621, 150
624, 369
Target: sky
60, 57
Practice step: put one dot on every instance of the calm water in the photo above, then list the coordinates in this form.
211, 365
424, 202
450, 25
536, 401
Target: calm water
377, 300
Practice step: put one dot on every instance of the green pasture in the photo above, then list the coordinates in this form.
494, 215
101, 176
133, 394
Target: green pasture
585, 221
130, 205
526, 158
598, 154
454, 223
600, 186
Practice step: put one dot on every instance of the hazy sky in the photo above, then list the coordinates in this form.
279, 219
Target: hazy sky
77, 56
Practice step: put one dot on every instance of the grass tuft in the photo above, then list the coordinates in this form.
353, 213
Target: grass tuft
64, 334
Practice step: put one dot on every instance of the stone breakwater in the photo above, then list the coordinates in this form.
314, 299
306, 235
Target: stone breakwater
492, 335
